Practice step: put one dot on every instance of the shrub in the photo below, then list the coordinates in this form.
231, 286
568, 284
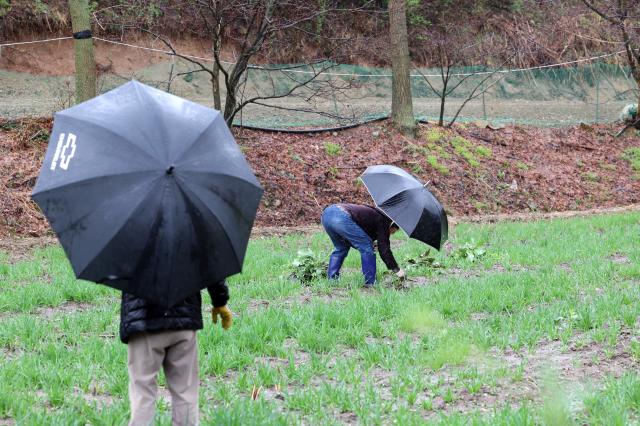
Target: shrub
307, 266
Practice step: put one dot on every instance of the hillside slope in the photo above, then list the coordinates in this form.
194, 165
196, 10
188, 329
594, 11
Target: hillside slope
471, 169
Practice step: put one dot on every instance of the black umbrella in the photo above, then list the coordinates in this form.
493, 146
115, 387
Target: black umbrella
403, 198
148, 193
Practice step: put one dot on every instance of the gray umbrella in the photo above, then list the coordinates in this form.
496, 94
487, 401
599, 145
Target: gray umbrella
403, 198
148, 193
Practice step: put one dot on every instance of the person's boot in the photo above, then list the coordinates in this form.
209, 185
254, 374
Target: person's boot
368, 268
335, 263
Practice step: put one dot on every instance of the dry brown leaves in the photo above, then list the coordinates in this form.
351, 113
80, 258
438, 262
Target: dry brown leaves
529, 170
22, 147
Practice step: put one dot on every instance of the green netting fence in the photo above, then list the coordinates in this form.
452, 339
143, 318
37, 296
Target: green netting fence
588, 92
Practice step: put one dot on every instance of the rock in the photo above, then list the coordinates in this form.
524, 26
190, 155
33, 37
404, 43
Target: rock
334, 134
277, 203
514, 185
629, 113
375, 134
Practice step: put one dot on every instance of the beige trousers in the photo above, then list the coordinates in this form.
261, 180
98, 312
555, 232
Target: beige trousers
177, 353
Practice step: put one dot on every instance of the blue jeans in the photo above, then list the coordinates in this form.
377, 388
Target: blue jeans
344, 234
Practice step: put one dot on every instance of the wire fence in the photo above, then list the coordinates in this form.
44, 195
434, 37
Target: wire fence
591, 90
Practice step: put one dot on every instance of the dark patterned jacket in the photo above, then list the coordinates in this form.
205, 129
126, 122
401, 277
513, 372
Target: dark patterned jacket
139, 315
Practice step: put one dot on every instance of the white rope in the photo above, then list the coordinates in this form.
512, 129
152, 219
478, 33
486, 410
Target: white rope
17, 43
561, 64
168, 52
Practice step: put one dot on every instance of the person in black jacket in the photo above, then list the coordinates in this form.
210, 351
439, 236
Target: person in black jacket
166, 338
358, 226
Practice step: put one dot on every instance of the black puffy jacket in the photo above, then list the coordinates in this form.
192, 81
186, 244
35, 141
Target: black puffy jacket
138, 314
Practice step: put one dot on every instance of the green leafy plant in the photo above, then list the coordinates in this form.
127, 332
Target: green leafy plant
438, 148
483, 151
463, 147
332, 149
479, 205
40, 7
416, 168
433, 162
8, 125
470, 252
5, 7
434, 135
424, 260
307, 266
591, 177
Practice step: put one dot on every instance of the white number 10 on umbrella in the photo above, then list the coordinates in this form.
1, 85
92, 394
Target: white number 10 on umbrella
65, 152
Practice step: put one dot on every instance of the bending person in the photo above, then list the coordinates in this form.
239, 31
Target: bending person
358, 226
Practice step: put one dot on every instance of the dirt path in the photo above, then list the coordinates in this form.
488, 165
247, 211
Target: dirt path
18, 247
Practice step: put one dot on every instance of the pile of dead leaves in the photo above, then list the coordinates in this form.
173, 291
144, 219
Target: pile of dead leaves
22, 147
472, 169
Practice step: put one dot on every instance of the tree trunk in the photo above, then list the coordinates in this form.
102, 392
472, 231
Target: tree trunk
215, 78
215, 83
443, 100
85, 63
230, 103
401, 101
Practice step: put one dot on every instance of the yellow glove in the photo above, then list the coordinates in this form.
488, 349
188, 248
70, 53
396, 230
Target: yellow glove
225, 315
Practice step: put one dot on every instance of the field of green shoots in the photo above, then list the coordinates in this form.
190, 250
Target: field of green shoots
512, 324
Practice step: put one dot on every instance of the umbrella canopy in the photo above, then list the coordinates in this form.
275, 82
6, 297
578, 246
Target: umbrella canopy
148, 193
403, 198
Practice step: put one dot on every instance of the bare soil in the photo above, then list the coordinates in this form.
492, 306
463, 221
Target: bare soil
56, 58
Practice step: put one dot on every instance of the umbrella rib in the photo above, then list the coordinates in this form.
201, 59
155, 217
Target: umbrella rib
188, 193
133, 211
240, 179
140, 94
195, 140
374, 201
